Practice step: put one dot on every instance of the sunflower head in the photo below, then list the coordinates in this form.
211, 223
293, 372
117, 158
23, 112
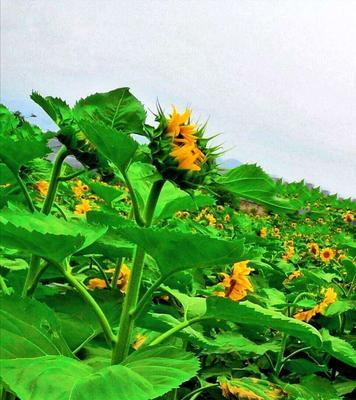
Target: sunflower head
327, 254
179, 149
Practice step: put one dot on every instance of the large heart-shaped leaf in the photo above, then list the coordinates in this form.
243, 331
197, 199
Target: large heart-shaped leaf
252, 183
339, 348
144, 375
29, 329
117, 147
45, 235
175, 251
117, 109
15, 153
247, 313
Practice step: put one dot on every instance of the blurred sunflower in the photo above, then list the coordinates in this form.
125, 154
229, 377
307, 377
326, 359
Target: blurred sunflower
327, 254
238, 284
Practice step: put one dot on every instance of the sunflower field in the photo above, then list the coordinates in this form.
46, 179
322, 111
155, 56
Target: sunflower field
133, 267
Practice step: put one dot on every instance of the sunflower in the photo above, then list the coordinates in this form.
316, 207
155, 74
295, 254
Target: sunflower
42, 187
348, 217
83, 207
237, 285
292, 276
330, 297
79, 189
263, 232
179, 150
314, 249
327, 254
96, 283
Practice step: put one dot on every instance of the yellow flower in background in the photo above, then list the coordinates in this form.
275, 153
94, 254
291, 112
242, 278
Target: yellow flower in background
42, 187
96, 283
227, 218
289, 253
348, 217
124, 277
79, 188
210, 218
139, 341
292, 276
263, 232
314, 249
330, 297
83, 207
238, 284
327, 254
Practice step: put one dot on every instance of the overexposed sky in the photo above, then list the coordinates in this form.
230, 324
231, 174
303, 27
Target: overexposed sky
276, 78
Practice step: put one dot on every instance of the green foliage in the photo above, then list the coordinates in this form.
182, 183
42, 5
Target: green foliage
247, 313
117, 109
252, 183
173, 280
143, 376
117, 147
29, 329
41, 234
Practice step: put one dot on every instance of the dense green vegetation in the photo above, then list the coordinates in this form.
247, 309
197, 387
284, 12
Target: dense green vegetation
150, 273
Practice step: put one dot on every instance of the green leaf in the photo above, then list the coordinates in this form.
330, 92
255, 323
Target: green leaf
339, 307
48, 377
173, 199
231, 342
29, 329
247, 313
8, 121
252, 388
302, 366
15, 264
117, 109
200, 251
338, 348
58, 110
45, 235
117, 147
252, 183
312, 388
145, 375
16, 153
190, 250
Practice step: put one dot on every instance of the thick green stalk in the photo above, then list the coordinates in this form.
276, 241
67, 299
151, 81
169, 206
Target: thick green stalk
280, 358
35, 270
127, 320
53, 183
176, 329
104, 323
135, 207
25, 192
147, 296
116, 273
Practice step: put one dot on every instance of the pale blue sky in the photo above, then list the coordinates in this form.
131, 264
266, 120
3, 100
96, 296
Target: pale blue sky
277, 78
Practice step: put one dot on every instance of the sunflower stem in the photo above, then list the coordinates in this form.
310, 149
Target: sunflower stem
104, 323
175, 329
25, 192
116, 273
127, 320
35, 265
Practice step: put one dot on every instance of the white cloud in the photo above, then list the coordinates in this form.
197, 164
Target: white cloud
278, 78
